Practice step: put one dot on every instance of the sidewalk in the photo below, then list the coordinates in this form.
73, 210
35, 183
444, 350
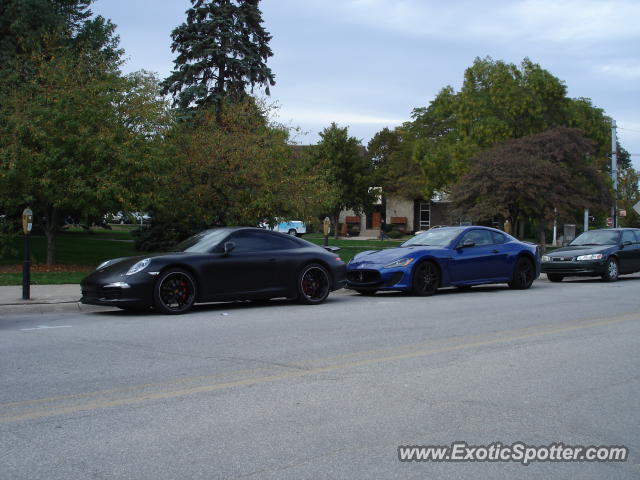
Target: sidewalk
44, 299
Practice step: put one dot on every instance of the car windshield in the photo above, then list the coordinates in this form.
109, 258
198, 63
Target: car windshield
202, 242
596, 237
437, 237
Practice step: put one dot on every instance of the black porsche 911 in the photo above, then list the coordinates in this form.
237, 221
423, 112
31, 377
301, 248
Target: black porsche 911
240, 263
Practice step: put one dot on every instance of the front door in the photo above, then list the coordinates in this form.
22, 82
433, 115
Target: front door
483, 262
376, 218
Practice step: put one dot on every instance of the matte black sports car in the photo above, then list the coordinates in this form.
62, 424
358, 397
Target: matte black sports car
218, 265
607, 253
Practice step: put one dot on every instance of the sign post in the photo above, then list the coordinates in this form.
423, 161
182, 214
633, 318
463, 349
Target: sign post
326, 228
27, 225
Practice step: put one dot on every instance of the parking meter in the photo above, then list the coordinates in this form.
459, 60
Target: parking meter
326, 228
27, 221
27, 225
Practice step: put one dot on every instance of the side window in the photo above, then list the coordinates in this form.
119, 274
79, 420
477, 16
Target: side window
479, 237
498, 238
637, 235
260, 241
628, 236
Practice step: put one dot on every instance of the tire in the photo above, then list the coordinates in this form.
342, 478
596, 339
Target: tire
611, 270
554, 277
174, 292
313, 284
523, 274
293, 232
426, 279
367, 293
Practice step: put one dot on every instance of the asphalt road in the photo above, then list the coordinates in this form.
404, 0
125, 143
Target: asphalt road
284, 391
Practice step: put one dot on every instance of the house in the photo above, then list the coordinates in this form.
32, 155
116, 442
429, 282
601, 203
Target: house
403, 214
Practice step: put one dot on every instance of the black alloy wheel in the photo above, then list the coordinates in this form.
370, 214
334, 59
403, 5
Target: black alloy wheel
554, 277
313, 284
426, 279
611, 271
523, 274
174, 292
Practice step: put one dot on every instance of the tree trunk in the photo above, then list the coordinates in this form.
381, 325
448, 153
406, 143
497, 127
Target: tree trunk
542, 240
334, 220
50, 230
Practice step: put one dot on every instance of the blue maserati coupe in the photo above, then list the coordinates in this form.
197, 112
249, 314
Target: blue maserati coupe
446, 257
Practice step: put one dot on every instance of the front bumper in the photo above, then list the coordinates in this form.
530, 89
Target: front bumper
575, 268
117, 292
374, 279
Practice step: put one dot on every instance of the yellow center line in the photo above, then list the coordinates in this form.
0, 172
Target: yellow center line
317, 370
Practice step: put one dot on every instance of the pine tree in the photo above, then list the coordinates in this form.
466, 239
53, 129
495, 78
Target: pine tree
222, 49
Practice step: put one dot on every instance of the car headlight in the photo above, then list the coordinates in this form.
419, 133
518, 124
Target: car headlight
138, 266
546, 258
401, 262
593, 256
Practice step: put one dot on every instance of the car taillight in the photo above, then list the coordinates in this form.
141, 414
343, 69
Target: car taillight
338, 259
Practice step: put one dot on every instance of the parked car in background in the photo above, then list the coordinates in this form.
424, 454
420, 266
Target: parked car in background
294, 227
141, 217
240, 263
607, 253
443, 257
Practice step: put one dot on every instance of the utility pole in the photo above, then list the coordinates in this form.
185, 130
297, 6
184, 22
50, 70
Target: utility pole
614, 172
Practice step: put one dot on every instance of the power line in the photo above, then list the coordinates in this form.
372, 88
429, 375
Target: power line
629, 129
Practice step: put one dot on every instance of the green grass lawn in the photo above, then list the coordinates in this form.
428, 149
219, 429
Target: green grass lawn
75, 248
53, 278
349, 248
85, 250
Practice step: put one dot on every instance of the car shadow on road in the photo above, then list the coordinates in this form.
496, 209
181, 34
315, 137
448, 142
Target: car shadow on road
221, 307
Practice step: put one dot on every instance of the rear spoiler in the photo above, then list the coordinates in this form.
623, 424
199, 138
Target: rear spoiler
332, 249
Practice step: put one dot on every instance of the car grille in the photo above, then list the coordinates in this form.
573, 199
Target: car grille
561, 259
111, 293
363, 277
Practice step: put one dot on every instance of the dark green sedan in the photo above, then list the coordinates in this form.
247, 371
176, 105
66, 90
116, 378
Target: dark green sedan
606, 253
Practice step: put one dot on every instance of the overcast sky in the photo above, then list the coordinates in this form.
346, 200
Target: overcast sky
367, 64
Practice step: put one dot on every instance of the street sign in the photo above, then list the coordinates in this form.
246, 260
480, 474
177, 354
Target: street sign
636, 207
622, 213
609, 222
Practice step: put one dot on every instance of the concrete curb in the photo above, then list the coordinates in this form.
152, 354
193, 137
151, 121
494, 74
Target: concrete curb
51, 307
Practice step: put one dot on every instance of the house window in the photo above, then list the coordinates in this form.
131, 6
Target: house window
425, 215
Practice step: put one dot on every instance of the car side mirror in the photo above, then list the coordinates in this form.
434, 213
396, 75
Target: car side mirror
228, 247
626, 243
468, 243
332, 249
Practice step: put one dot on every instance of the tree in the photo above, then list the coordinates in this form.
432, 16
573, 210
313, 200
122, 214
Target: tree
348, 169
231, 167
497, 101
71, 135
533, 176
222, 49
394, 166
628, 194
26, 25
